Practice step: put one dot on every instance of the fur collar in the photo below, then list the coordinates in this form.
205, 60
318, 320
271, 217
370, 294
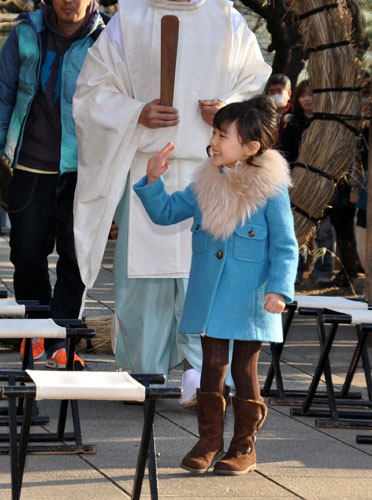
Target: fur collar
229, 196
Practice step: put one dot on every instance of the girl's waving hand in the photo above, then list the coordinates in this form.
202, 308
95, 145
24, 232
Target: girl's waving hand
157, 164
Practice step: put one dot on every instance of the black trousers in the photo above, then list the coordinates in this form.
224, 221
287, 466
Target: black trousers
41, 216
343, 222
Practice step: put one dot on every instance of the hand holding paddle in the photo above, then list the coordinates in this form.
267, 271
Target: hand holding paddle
160, 113
209, 108
154, 115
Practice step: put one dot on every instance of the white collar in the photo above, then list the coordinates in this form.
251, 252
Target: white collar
239, 192
170, 5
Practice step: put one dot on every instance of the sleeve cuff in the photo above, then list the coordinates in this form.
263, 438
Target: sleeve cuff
141, 187
287, 294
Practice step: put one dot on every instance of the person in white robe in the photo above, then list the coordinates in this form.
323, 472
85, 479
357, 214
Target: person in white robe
120, 124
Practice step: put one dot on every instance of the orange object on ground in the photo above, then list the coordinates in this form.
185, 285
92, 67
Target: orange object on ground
59, 360
37, 348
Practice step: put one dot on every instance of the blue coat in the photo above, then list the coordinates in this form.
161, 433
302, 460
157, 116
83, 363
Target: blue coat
229, 279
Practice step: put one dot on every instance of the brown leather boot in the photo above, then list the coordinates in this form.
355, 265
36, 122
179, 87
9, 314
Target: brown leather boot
211, 409
241, 455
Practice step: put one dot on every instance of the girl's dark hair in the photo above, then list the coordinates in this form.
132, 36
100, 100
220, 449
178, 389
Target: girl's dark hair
256, 120
300, 89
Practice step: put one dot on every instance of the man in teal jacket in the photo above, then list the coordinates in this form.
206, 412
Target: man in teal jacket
39, 66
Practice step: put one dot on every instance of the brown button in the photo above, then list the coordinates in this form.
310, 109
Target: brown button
219, 254
197, 227
251, 234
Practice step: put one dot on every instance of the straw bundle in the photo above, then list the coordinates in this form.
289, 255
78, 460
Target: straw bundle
17, 5
101, 342
327, 145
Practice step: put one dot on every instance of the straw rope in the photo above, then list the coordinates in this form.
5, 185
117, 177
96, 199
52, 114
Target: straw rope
329, 144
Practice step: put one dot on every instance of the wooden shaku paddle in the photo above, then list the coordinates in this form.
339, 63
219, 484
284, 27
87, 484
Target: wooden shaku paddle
169, 43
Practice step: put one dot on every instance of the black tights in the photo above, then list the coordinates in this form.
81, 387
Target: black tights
243, 366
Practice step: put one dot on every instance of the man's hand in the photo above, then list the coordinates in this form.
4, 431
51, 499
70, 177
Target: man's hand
275, 303
209, 108
154, 115
157, 165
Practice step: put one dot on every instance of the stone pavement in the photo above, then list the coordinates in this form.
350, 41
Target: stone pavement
295, 458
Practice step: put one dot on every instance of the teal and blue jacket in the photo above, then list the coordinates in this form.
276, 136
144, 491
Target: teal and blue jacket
20, 63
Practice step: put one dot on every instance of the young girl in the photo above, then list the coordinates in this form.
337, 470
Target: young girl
242, 273
298, 122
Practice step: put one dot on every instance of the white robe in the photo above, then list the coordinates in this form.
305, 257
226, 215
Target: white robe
218, 58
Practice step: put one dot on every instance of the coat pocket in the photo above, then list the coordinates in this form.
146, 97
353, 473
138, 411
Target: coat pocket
250, 242
199, 237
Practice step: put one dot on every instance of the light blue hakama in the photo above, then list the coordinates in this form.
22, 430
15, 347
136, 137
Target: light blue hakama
149, 311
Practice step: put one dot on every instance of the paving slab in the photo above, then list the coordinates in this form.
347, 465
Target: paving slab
296, 459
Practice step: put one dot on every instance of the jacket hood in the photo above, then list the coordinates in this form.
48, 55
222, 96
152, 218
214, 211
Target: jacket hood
229, 196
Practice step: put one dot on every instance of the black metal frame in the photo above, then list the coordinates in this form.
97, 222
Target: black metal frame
276, 351
147, 447
361, 439
60, 436
294, 397
333, 416
31, 307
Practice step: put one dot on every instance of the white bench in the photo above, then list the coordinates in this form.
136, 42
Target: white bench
45, 328
335, 417
315, 306
109, 386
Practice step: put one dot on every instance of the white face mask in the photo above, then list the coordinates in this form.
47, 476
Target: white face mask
278, 99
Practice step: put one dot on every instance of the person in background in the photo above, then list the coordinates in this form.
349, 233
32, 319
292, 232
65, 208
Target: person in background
297, 122
39, 65
349, 204
278, 87
359, 191
290, 145
361, 217
342, 214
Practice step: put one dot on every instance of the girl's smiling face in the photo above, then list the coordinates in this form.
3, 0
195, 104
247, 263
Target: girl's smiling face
227, 149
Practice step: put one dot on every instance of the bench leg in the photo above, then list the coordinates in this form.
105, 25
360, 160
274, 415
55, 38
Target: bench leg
323, 366
14, 466
367, 371
27, 363
62, 416
360, 351
152, 465
76, 423
274, 368
323, 360
23, 441
327, 365
143, 453
335, 415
